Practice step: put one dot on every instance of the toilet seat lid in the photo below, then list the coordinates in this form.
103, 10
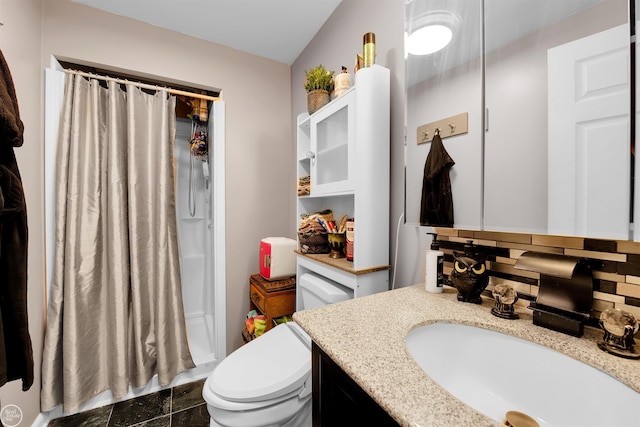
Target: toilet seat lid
267, 367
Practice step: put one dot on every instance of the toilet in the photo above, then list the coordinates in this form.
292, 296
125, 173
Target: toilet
267, 382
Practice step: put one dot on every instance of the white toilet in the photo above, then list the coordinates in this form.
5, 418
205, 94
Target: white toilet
267, 382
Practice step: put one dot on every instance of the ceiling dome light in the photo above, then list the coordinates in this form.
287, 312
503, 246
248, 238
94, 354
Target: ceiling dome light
431, 32
429, 39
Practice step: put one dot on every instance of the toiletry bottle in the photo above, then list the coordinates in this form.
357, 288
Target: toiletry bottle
434, 275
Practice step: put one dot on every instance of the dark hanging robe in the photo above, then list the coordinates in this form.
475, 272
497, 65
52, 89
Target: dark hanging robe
16, 354
436, 206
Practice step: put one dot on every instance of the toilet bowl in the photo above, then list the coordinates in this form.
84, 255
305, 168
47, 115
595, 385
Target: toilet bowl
267, 382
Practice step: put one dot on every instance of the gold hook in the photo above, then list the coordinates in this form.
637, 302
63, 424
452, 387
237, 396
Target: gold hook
453, 127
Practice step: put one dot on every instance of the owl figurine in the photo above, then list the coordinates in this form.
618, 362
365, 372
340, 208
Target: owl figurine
469, 276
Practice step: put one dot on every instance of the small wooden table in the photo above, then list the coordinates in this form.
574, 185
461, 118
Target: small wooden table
273, 298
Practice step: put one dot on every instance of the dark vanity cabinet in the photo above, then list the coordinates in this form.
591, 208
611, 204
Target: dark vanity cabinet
338, 400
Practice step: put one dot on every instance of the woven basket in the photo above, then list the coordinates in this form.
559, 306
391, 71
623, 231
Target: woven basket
317, 99
314, 243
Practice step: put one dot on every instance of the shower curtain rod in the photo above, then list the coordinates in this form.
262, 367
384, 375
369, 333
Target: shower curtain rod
146, 86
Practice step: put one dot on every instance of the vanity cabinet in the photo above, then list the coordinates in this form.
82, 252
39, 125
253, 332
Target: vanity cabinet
338, 400
344, 149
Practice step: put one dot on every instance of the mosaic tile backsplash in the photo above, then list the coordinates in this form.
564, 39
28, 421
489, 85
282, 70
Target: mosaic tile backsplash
615, 264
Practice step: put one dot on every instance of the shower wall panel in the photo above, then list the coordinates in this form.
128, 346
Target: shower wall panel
193, 207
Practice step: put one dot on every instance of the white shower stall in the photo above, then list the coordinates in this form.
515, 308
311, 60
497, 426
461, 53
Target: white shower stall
194, 208
201, 228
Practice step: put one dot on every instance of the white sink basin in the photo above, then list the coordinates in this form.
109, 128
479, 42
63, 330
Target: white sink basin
495, 373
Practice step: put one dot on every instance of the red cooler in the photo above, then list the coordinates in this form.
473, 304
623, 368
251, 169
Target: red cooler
277, 257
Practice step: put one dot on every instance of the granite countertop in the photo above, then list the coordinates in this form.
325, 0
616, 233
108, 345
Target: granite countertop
366, 338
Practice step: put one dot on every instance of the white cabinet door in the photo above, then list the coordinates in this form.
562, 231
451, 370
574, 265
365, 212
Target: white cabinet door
332, 145
589, 148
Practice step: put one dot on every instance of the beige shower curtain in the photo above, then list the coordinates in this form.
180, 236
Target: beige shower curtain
115, 316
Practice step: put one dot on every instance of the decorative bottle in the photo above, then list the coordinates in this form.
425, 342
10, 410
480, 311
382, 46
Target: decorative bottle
349, 239
434, 274
369, 49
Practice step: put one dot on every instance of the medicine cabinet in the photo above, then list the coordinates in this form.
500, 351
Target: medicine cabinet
547, 88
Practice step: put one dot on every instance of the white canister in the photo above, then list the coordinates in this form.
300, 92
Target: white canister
342, 82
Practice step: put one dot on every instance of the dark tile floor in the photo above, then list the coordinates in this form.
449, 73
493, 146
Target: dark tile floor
180, 406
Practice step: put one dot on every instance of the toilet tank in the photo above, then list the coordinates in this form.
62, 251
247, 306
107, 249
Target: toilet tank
318, 291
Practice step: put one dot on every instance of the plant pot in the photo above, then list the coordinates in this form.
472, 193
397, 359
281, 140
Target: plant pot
317, 99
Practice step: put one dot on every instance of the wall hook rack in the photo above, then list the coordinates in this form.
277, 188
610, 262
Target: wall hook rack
456, 125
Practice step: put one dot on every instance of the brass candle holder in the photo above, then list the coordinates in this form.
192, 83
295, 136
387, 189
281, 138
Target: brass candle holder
337, 242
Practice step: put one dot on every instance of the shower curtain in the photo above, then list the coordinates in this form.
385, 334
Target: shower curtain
115, 316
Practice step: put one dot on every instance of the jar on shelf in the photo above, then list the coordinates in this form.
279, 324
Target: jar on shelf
349, 238
342, 82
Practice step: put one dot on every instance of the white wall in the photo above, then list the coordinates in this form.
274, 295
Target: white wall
20, 44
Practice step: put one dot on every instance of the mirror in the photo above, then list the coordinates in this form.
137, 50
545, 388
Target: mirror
441, 85
546, 85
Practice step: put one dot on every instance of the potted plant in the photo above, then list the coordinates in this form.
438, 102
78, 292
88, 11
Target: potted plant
319, 84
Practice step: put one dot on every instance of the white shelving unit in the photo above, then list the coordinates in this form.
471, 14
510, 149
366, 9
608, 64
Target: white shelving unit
344, 148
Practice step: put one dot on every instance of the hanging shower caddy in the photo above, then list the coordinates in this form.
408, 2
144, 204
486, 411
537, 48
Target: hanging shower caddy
199, 149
